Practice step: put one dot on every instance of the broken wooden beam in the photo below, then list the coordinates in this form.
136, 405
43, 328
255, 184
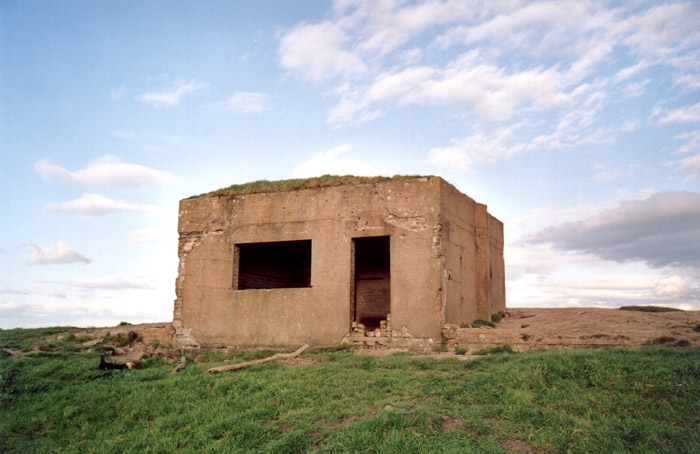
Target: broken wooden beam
231, 367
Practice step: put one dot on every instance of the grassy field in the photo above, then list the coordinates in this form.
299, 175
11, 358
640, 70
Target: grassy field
607, 401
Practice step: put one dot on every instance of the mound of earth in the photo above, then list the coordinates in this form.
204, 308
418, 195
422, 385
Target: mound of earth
591, 323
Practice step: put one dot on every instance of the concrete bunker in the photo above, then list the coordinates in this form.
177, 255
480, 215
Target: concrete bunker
321, 260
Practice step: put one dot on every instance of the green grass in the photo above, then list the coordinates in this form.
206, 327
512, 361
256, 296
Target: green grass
649, 309
617, 401
482, 323
495, 350
297, 184
26, 339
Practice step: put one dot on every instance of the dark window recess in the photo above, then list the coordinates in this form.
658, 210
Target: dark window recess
372, 281
283, 264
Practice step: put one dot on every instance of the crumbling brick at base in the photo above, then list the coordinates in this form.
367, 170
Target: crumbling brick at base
384, 330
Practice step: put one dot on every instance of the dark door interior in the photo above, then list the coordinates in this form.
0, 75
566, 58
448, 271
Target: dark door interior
372, 281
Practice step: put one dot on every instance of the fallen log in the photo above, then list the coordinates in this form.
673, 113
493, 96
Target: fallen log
216, 370
181, 365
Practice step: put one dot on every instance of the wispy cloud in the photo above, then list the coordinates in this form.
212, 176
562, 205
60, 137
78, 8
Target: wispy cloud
691, 145
12, 291
556, 65
151, 236
480, 147
96, 205
105, 171
692, 166
246, 102
687, 114
335, 161
118, 93
112, 282
317, 52
60, 253
171, 96
607, 176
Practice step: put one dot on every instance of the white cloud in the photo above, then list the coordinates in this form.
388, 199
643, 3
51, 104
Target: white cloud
112, 282
692, 141
672, 286
488, 90
246, 102
335, 162
611, 289
607, 176
690, 81
171, 96
316, 52
500, 59
662, 31
150, 236
629, 125
662, 230
12, 291
688, 114
96, 205
692, 166
538, 275
573, 127
630, 71
58, 254
93, 312
105, 171
480, 147
9, 305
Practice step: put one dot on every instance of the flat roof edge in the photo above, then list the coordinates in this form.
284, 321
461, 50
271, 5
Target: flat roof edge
298, 184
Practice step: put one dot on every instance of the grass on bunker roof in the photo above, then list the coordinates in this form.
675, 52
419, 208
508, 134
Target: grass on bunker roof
613, 400
297, 184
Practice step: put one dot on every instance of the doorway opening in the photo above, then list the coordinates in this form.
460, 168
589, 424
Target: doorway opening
372, 281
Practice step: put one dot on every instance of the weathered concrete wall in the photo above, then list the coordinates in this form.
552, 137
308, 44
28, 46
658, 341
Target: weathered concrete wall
441, 262
457, 217
472, 244
497, 268
210, 312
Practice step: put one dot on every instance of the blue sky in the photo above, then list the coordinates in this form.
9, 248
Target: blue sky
576, 122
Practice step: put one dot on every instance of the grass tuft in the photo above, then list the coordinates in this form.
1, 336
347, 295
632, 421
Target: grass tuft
648, 309
495, 350
497, 316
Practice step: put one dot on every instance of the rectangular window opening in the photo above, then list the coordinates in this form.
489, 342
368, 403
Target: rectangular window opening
372, 283
279, 264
